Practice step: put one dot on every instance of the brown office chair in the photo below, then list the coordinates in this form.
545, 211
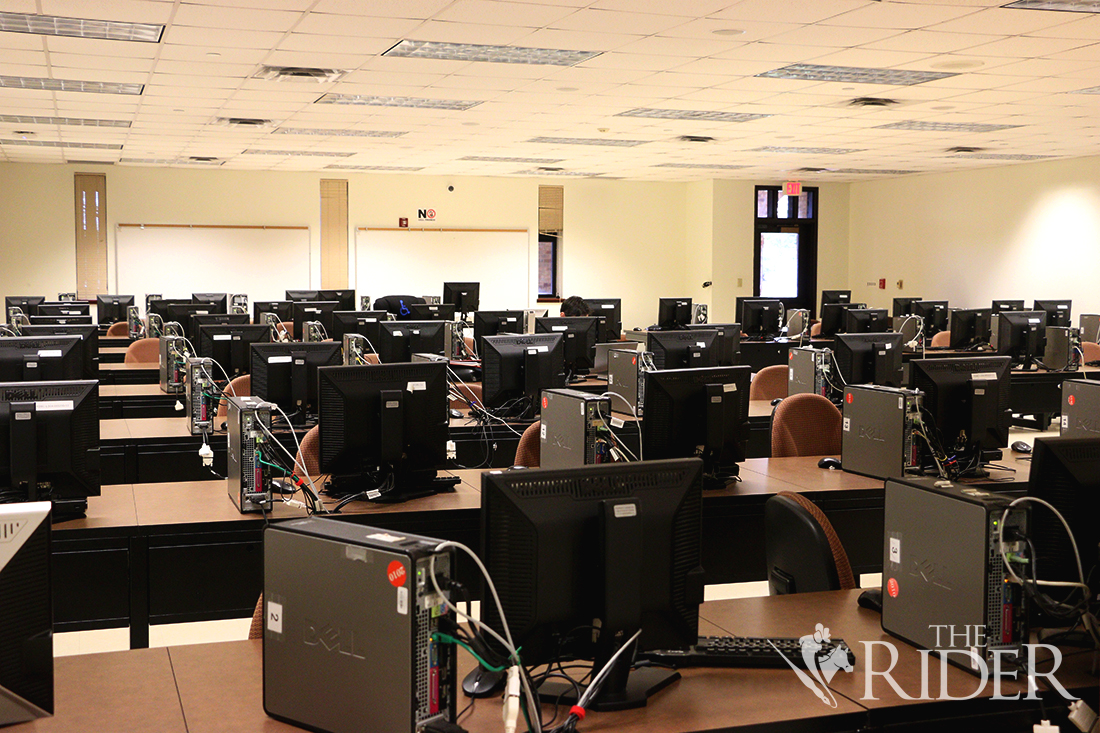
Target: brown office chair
769, 383
256, 630
310, 455
122, 328
469, 341
285, 329
805, 425
1090, 352
143, 351
530, 447
941, 340
815, 329
471, 395
238, 387
803, 552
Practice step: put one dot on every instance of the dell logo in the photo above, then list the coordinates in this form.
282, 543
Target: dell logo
331, 638
871, 433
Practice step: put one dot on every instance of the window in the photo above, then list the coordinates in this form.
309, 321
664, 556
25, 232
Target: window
551, 199
785, 256
91, 234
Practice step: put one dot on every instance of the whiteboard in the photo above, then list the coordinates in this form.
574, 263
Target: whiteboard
177, 261
419, 261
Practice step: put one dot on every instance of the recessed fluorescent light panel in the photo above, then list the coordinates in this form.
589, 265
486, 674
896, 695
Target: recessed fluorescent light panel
587, 141
296, 153
1001, 156
453, 104
338, 133
496, 159
920, 126
51, 25
542, 172
723, 166
66, 85
1069, 6
806, 151
869, 172
171, 161
62, 144
687, 114
75, 121
1090, 90
490, 54
343, 167
855, 75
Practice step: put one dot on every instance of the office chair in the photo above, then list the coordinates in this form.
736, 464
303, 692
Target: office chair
285, 331
815, 329
239, 387
118, 330
803, 552
143, 351
529, 449
309, 458
805, 425
470, 395
941, 340
769, 383
398, 305
256, 630
1090, 352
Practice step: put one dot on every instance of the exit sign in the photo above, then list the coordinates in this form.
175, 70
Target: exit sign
792, 188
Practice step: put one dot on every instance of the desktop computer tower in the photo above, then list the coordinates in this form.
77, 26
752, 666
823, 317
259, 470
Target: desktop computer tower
574, 427
454, 346
807, 371
1090, 327
349, 617
908, 326
202, 401
355, 349
133, 322
698, 313
877, 436
798, 323
313, 331
942, 570
626, 377
1080, 408
173, 363
1062, 348
248, 480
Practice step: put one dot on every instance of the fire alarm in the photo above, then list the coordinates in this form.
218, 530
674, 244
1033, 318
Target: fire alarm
403, 222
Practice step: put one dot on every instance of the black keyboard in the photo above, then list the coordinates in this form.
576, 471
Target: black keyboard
740, 651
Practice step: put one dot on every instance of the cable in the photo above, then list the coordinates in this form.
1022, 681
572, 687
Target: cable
637, 423
1073, 542
315, 498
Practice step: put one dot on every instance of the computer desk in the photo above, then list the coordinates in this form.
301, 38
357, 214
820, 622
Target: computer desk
135, 373
111, 354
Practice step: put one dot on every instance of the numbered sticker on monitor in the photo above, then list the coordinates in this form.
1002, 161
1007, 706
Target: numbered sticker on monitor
559, 328
53, 405
223, 337
279, 360
847, 424
983, 377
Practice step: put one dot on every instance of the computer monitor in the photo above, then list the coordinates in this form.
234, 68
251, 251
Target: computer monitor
515, 369
761, 318
299, 295
904, 306
999, 306
616, 547
364, 323
834, 317
611, 309
728, 341
286, 374
683, 349
228, 344
49, 444
934, 313
835, 296
578, 340
969, 327
160, 307
491, 323
181, 313
465, 297
966, 401
213, 319
64, 308
41, 358
282, 308
346, 298
376, 433
688, 408
1021, 335
112, 308
869, 358
89, 343
220, 301
60, 320
1058, 311
866, 320
398, 340
313, 310
27, 303
431, 312
673, 313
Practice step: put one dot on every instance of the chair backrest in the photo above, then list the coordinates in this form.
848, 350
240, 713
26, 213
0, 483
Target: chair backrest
529, 450
256, 629
397, 304
815, 329
238, 387
285, 330
143, 351
805, 425
310, 456
1090, 351
470, 395
804, 553
769, 383
122, 328
941, 339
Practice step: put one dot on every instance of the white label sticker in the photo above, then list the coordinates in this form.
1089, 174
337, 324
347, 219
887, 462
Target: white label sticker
1065, 422
701, 344
1033, 320
538, 349
398, 333
716, 400
49, 352
393, 404
542, 431
625, 510
790, 374
355, 554
278, 360
417, 386
53, 405
974, 657
403, 601
901, 403
731, 387
275, 617
1062, 307
367, 320
414, 331
509, 320
610, 378
383, 537
847, 424
202, 313
608, 306
895, 550
223, 337
617, 422
559, 328
984, 377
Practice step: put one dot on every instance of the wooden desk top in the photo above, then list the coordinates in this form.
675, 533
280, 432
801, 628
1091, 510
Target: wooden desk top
138, 366
133, 390
112, 349
803, 473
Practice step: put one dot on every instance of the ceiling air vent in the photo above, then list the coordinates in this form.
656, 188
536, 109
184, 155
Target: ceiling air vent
811, 170
964, 149
299, 73
549, 169
872, 102
695, 139
244, 122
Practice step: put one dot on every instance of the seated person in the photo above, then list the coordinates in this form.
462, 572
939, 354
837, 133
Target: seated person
574, 305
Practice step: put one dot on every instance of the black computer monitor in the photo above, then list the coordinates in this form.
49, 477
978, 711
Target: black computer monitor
376, 433
213, 319
160, 307
1058, 311
282, 308
934, 313
431, 312
465, 297
622, 553
869, 358
578, 340
286, 374
491, 323
999, 306
966, 401
346, 298
673, 313
49, 444
41, 358
364, 323
1021, 335
60, 308
27, 303
313, 310
112, 308
833, 318
683, 349
299, 295
904, 306
181, 313
969, 327
835, 296
761, 318
688, 408
60, 320
229, 345
515, 369
866, 320
728, 342
611, 309
398, 340
219, 301
89, 343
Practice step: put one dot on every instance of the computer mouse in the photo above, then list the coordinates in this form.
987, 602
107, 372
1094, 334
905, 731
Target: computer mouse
456, 413
871, 599
1021, 447
829, 462
483, 683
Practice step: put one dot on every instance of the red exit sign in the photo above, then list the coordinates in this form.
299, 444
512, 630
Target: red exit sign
792, 188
